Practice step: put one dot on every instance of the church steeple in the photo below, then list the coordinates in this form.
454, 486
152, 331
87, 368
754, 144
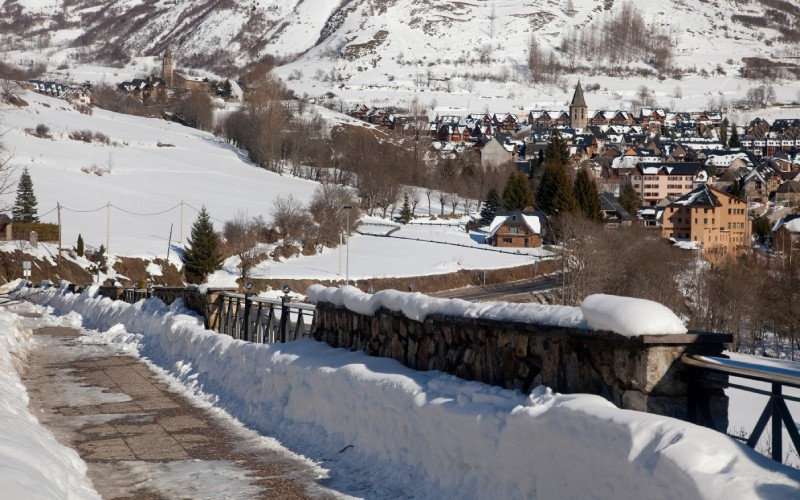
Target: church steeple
578, 111
167, 68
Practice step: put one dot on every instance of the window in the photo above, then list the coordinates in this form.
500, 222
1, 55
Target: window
514, 229
507, 240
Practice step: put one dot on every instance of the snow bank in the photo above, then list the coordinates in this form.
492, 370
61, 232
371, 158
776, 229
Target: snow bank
623, 315
417, 306
386, 431
32, 463
629, 316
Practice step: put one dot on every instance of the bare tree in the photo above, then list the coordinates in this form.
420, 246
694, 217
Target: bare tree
290, 218
326, 208
196, 111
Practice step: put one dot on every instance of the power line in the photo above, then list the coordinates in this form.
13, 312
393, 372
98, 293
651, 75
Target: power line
81, 211
146, 215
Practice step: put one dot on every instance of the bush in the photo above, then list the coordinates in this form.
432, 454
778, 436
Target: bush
44, 231
42, 131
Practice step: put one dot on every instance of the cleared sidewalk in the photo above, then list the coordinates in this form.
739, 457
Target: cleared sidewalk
139, 439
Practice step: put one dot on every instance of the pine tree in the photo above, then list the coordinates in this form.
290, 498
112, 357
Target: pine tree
25, 205
490, 206
734, 139
79, 246
517, 194
202, 257
723, 132
587, 197
556, 151
227, 90
629, 199
555, 194
405, 212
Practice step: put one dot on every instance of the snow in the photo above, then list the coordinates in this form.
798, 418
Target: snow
624, 315
417, 306
32, 463
387, 431
629, 316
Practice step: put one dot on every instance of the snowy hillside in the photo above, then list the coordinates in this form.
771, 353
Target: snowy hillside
391, 50
148, 168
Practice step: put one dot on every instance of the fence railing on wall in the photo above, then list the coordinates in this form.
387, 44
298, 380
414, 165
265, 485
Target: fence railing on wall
262, 320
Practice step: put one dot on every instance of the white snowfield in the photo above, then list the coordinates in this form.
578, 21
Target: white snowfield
32, 463
624, 315
386, 431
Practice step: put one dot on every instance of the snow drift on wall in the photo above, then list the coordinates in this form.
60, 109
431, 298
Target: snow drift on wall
624, 315
417, 434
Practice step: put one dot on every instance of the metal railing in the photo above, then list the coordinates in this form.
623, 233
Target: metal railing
260, 320
775, 411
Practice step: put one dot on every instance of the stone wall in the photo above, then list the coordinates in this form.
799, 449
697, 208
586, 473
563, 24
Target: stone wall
640, 373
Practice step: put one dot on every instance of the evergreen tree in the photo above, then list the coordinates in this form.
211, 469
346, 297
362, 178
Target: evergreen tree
555, 194
79, 246
202, 256
734, 139
227, 90
629, 199
405, 212
490, 206
723, 132
25, 205
517, 194
556, 151
587, 197
761, 229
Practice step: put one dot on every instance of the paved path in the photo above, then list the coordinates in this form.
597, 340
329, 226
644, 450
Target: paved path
528, 290
139, 439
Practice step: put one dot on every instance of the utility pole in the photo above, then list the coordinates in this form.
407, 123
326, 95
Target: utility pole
58, 260
169, 242
181, 230
341, 242
108, 225
347, 268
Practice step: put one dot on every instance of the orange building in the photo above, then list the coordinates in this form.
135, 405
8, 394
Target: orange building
709, 219
519, 228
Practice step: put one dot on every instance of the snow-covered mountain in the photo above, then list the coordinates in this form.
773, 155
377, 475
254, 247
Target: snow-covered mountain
364, 42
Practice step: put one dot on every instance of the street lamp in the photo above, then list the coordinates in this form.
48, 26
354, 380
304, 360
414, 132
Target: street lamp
347, 209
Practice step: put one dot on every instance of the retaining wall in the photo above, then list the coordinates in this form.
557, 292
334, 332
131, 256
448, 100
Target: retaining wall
639, 373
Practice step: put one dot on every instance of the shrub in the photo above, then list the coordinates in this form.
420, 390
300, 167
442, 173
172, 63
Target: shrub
42, 131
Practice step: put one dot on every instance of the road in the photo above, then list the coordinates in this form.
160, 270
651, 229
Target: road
516, 291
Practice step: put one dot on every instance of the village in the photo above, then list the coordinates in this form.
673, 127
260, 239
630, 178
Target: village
704, 183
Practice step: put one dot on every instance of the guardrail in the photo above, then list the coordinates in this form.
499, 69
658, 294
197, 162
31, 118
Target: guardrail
775, 410
261, 320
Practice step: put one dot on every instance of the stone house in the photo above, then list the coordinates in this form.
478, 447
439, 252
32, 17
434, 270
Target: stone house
518, 228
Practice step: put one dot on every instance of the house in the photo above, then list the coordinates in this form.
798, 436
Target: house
708, 219
519, 228
786, 233
615, 215
788, 193
494, 153
6, 227
148, 90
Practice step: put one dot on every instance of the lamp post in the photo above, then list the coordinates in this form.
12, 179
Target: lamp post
347, 209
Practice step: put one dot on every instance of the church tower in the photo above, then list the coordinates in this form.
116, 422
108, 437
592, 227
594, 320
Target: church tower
578, 112
167, 69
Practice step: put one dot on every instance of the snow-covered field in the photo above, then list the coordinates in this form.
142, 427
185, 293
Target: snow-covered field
139, 199
413, 250
32, 463
383, 430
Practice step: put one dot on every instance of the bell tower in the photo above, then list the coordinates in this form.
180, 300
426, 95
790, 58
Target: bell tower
167, 68
578, 112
